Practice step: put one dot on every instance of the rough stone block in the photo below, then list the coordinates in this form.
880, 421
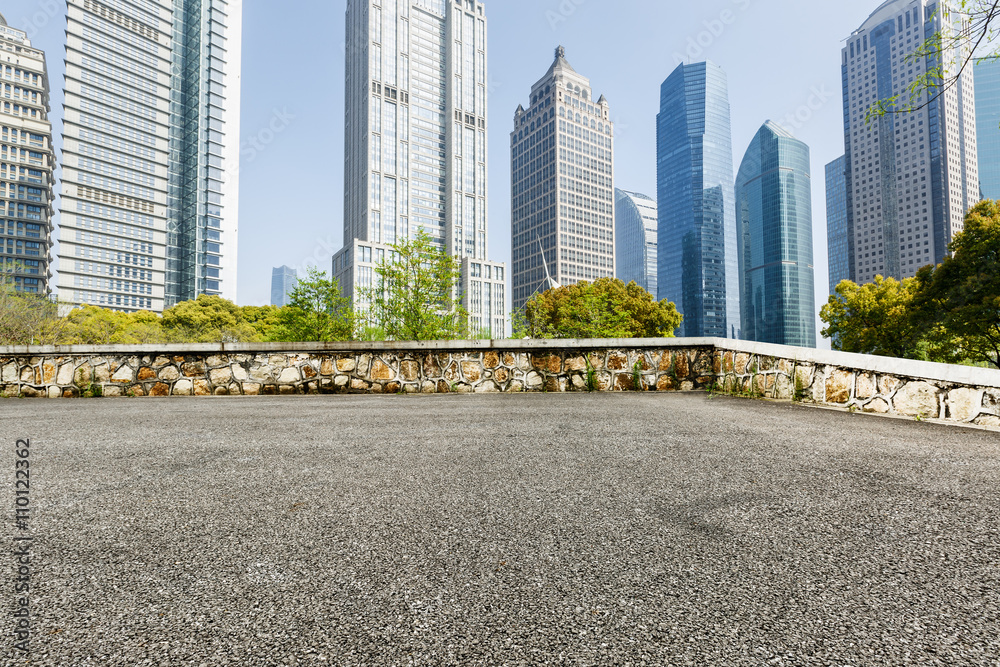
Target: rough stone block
428, 387
286, 390
741, 362
111, 391
183, 388
160, 389
215, 361
28, 374
193, 369
516, 387
617, 361
308, 372
341, 381
687, 386
221, 376
239, 373
124, 374
838, 386
54, 392
917, 399
471, 371
488, 387
10, 373
888, 384
327, 367
665, 383
451, 373
877, 406
221, 391
359, 385
432, 369
251, 389
409, 370
48, 372
443, 387
146, 373
783, 389
534, 380
623, 382
509, 360
65, 375
575, 364
501, 375
681, 369
555, 384
277, 361
160, 362
364, 364
988, 420
549, 363
491, 360
577, 382
865, 386
201, 388
965, 404
289, 375
346, 365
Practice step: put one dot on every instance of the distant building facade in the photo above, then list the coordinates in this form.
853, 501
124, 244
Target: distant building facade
635, 239
562, 184
837, 235
284, 279
774, 210
150, 196
911, 177
697, 254
988, 127
27, 162
416, 145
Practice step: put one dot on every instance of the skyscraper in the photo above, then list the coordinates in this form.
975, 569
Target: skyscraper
988, 127
697, 255
283, 281
912, 176
837, 237
635, 239
26, 163
416, 144
774, 209
150, 153
562, 185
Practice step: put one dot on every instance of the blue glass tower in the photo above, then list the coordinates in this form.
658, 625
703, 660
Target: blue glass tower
698, 266
774, 210
635, 239
987, 77
838, 237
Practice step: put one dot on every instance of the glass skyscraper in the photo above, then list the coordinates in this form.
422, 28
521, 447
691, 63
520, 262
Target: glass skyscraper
150, 193
416, 144
635, 239
697, 254
562, 185
284, 279
27, 162
911, 176
837, 237
988, 127
774, 209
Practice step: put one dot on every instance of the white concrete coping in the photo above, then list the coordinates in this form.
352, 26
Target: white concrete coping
965, 375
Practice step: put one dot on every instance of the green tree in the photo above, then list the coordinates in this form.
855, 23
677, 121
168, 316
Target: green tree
874, 318
25, 318
207, 319
316, 313
415, 296
91, 325
960, 298
262, 318
607, 308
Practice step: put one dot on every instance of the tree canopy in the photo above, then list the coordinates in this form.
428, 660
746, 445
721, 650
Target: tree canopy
606, 308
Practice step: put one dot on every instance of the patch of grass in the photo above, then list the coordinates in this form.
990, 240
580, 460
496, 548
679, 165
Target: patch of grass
591, 375
637, 376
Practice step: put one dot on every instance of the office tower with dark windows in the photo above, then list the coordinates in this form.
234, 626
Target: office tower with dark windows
284, 279
150, 191
416, 145
988, 127
775, 240
696, 251
910, 176
27, 162
635, 239
837, 211
562, 186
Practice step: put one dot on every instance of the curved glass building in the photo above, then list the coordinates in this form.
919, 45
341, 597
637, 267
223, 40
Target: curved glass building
774, 209
635, 239
697, 261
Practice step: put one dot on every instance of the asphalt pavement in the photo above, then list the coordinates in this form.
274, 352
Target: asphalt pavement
587, 529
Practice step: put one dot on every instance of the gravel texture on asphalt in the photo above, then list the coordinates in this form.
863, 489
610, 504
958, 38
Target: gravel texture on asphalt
610, 529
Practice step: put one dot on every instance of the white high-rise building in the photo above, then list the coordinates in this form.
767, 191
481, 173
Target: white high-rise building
911, 176
150, 193
26, 163
416, 144
562, 185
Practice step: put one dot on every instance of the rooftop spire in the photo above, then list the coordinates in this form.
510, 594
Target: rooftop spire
560, 52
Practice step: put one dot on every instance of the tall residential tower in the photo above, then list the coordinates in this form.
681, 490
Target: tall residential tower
837, 237
697, 255
27, 162
910, 177
562, 185
988, 127
774, 210
416, 144
150, 191
635, 239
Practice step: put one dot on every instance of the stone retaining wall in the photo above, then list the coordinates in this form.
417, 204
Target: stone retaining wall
871, 384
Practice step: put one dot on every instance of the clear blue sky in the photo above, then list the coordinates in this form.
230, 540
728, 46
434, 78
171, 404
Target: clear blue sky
782, 56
